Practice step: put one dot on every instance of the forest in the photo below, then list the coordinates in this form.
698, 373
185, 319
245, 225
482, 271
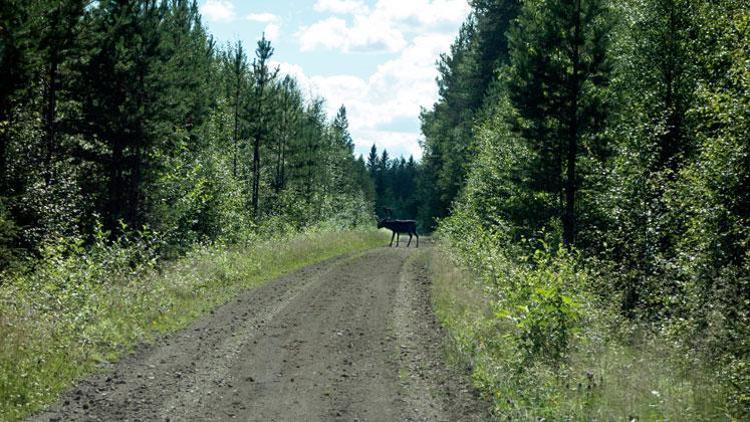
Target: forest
127, 116
591, 168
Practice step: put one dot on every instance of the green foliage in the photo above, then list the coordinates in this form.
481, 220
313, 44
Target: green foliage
540, 346
541, 295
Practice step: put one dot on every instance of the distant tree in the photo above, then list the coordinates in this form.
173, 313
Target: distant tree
373, 161
341, 127
364, 181
290, 110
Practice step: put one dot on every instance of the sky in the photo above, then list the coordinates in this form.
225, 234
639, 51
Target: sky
376, 57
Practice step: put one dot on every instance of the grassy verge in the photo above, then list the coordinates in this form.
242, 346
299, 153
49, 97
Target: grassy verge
75, 313
610, 370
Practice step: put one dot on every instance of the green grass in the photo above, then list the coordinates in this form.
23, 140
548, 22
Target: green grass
613, 371
74, 313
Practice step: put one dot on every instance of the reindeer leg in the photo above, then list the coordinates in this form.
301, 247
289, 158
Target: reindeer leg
408, 244
392, 236
415, 234
398, 238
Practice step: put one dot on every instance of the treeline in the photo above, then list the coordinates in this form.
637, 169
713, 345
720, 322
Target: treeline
396, 184
121, 116
617, 130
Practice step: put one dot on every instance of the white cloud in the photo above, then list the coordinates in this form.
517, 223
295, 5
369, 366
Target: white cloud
397, 143
341, 6
382, 28
394, 93
335, 34
272, 31
218, 10
426, 12
273, 24
263, 17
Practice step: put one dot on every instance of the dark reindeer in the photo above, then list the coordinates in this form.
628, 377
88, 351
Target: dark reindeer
398, 227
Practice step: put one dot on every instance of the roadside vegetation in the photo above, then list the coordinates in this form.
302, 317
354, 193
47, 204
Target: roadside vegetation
592, 176
539, 347
82, 308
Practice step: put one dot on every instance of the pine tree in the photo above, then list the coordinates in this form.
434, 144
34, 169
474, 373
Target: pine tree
123, 43
290, 111
557, 83
239, 75
56, 32
263, 76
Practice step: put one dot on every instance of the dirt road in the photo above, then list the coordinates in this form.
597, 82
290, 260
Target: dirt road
352, 338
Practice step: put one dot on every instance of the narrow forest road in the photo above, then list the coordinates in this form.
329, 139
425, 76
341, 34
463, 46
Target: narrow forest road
352, 338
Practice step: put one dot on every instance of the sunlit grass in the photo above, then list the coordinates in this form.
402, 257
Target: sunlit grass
52, 335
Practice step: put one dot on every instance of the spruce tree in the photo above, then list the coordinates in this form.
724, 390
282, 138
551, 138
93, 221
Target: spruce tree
341, 126
373, 161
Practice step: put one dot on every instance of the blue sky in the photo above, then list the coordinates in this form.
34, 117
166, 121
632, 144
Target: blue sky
377, 57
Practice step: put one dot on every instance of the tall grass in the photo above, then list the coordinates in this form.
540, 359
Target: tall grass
81, 307
610, 369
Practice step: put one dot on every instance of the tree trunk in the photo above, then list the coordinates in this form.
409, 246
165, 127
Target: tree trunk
569, 214
114, 205
236, 127
256, 175
4, 119
670, 141
134, 200
50, 116
278, 182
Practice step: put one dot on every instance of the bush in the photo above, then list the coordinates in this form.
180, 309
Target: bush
542, 332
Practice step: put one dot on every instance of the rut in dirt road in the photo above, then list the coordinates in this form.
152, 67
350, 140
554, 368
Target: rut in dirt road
352, 338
